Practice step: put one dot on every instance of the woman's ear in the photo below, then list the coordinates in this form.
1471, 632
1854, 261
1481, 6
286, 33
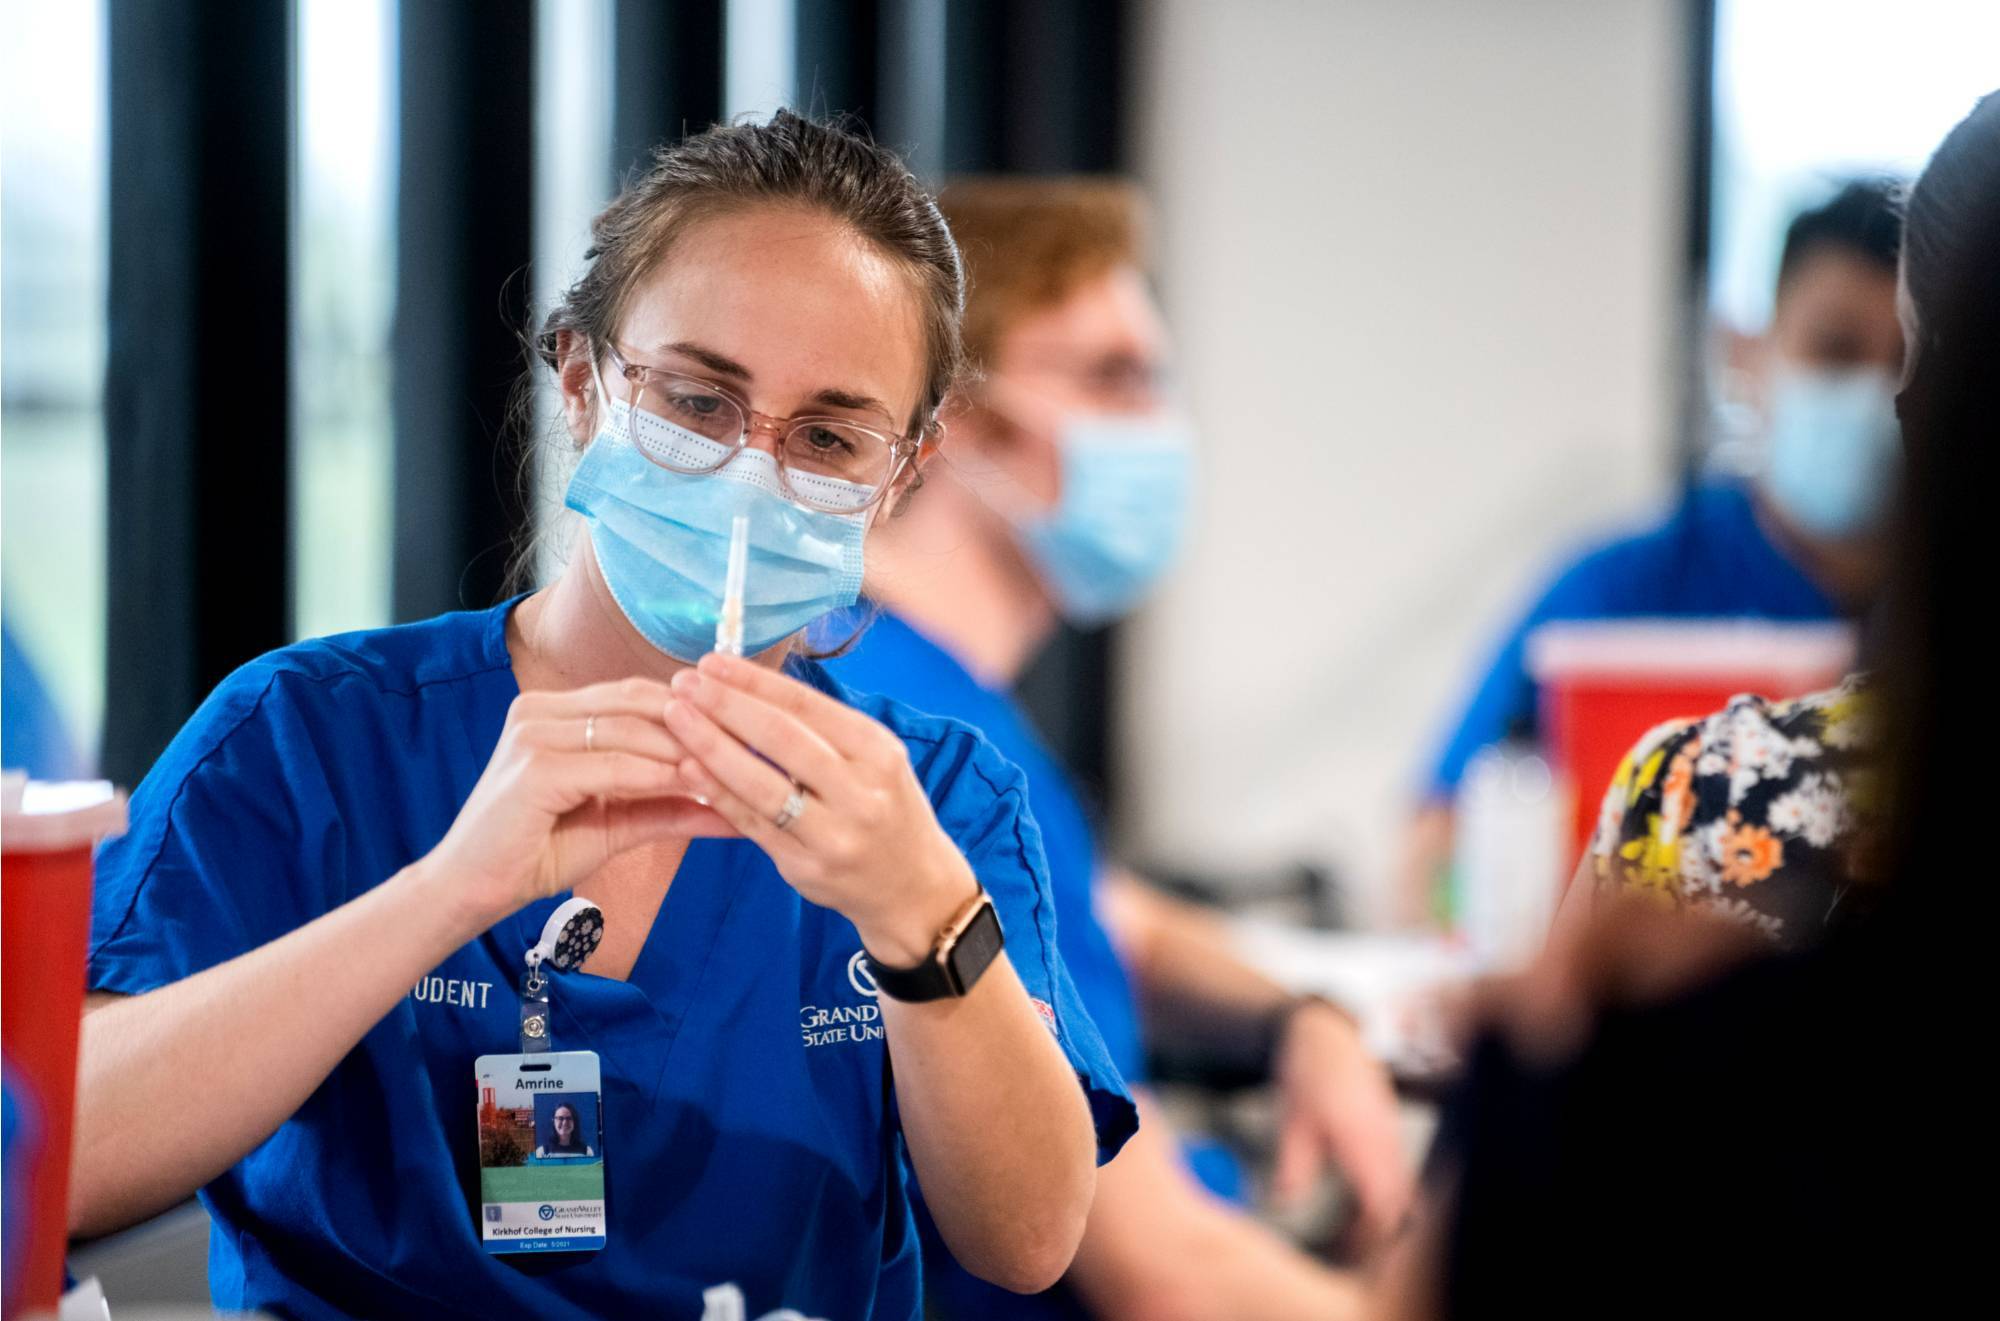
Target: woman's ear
579, 389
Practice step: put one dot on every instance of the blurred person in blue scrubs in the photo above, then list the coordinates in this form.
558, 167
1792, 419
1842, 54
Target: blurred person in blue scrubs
1062, 493
1800, 539
31, 726
333, 874
1665, 1067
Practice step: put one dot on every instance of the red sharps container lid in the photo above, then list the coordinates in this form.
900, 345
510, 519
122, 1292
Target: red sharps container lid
45, 817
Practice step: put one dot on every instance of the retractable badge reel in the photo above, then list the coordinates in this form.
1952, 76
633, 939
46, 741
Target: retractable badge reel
570, 936
541, 1136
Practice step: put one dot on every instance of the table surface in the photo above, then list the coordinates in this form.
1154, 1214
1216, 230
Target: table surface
1392, 982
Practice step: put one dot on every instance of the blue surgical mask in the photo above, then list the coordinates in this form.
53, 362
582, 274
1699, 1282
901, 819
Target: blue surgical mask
1833, 450
1123, 512
662, 538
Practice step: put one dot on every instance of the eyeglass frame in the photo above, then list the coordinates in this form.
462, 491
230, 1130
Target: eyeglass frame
1143, 387
903, 449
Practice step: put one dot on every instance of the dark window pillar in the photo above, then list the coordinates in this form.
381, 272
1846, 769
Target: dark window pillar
197, 388
1035, 86
667, 76
1696, 327
910, 96
838, 58
463, 244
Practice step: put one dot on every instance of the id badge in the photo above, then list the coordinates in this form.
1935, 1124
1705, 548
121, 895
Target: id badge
541, 1152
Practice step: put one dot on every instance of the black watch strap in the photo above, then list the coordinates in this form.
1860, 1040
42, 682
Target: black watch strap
964, 950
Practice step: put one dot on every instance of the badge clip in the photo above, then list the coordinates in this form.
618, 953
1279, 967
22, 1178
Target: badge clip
570, 936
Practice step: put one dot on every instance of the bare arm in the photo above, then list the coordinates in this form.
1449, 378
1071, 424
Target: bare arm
1186, 973
1335, 1101
1421, 875
145, 1139
1579, 900
1159, 1248
263, 1030
998, 1127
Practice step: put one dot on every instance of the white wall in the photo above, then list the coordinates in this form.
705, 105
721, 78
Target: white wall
1422, 258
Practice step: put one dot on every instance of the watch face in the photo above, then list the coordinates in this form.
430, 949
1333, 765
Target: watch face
976, 947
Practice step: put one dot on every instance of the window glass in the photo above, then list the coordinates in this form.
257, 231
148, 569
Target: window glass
760, 52
1810, 92
52, 336
573, 181
344, 246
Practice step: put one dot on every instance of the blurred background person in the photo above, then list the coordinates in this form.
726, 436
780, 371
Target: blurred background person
35, 738
1061, 492
1800, 539
1792, 1088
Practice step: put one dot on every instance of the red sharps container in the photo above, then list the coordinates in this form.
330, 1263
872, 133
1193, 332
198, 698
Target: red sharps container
1605, 683
46, 837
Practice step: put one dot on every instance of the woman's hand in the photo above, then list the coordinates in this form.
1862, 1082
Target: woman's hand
866, 843
577, 778
1336, 1105
997, 1127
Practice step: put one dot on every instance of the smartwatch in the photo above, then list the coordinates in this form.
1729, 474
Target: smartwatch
964, 949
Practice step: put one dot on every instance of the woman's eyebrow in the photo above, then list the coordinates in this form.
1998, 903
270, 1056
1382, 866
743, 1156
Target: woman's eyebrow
846, 399
709, 358
723, 365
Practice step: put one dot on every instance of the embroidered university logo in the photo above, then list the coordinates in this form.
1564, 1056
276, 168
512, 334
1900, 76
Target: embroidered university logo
835, 1024
860, 976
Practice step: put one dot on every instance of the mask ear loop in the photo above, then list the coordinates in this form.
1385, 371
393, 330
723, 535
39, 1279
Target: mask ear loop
603, 395
930, 447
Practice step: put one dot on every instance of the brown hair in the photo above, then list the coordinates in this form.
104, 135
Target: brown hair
1030, 243
789, 161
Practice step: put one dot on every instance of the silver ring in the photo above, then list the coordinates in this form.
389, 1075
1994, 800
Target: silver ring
789, 813
590, 732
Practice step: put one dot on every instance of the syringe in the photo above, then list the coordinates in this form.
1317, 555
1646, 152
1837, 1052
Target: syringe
729, 627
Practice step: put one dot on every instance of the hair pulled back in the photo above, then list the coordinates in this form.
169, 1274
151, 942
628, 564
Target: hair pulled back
789, 161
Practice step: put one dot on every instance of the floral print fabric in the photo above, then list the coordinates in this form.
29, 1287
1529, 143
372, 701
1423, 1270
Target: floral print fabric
1760, 813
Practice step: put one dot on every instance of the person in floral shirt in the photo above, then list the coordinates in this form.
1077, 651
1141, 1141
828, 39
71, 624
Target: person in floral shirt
1759, 813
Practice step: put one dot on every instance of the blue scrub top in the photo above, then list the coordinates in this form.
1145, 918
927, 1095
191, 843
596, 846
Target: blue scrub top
894, 659
750, 1134
1709, 559
891, 657
31, 728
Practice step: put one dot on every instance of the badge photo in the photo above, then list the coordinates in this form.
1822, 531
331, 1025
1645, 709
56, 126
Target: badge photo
541, 1152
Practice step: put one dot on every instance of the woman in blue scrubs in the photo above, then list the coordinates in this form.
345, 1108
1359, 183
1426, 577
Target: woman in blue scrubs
318, 919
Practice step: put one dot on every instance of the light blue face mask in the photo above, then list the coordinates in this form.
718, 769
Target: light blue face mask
1834, 447
662, 538
1126, 488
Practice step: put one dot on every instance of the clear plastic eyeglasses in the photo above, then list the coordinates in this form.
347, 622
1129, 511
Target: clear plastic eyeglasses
834, 464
